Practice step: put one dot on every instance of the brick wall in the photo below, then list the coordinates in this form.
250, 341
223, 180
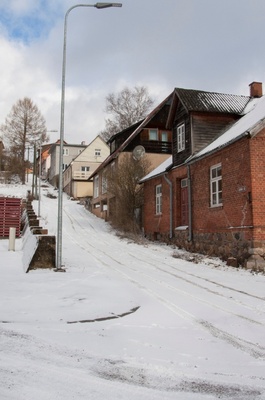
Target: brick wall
236, 211
235, 229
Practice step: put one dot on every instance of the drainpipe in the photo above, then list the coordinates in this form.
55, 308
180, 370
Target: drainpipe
190, 237
170, 207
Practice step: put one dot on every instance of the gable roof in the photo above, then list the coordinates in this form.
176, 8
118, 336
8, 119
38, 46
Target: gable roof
249, 124
202, 101
199, 100
96, 139
141, 126
252, 121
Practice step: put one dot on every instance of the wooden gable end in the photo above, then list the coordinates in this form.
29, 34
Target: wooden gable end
181, 117
163, 142
200, 130
153, 146
207, 127
160, 119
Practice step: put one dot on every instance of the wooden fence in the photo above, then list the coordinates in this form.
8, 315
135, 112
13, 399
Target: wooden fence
10, 215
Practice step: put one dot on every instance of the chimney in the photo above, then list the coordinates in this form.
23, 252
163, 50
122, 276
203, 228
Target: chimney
255, 89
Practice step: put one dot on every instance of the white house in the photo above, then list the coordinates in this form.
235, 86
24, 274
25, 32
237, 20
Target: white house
77, 173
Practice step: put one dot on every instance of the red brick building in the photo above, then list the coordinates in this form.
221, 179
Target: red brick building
209, 198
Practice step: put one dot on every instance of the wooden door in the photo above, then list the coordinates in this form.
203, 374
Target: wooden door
184, 203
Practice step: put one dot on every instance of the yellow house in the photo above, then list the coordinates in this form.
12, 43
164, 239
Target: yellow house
77, 173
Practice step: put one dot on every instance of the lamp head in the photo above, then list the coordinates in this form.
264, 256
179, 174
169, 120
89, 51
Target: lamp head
106, 5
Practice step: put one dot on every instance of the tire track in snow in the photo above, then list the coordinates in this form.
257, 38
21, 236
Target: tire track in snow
252, 349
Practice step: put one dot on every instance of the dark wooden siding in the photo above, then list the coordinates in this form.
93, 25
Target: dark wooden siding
152, 146
181, 117
208, 127
200, 130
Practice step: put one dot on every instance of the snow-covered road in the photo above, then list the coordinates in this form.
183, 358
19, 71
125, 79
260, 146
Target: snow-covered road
127, 321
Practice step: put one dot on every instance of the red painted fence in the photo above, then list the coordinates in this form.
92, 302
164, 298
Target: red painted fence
10, 215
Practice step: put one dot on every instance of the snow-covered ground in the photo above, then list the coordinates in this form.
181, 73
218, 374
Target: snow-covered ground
126, 321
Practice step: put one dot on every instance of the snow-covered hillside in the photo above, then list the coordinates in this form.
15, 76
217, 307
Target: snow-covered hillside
126, 321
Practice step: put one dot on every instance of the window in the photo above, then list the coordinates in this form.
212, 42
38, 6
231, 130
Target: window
184, 203
164, 137
64, 167
65, 152
96, 186
112, 146
181, 137
216, 185
158, 199
104, 183
153, 134
85, 169
97, 152
184, 183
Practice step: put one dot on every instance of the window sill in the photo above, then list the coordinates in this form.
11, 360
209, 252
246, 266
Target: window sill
182, 228
217, 206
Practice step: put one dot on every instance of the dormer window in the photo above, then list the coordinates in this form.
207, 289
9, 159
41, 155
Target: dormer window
181, 137
153, 134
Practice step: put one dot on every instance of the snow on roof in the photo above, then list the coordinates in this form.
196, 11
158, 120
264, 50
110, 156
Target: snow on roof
253, 114
158, 170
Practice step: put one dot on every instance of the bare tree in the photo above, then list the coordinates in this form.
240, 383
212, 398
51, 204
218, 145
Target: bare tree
126, 108
24, 127
123, 184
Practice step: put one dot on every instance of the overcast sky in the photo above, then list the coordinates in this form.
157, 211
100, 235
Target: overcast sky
215, 45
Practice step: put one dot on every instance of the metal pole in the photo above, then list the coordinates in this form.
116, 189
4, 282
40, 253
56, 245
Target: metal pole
33, 170
60, 191
39, 181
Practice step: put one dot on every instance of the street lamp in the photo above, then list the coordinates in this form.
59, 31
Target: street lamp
60, 192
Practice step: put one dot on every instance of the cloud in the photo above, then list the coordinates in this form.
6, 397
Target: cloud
209, 45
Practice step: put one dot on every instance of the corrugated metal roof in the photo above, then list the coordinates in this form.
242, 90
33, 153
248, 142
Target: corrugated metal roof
197, 100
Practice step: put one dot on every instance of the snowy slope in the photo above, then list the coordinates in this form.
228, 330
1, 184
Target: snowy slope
126, 321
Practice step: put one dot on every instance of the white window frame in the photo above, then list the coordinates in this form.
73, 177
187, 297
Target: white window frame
153, 132
96, 186
216, 191
184, 182
164, 136
181, 137
158, 199
65, 152
97, 152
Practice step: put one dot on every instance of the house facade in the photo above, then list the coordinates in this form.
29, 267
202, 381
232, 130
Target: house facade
149, 138
208, 198
45, 160
70, 151
76, 176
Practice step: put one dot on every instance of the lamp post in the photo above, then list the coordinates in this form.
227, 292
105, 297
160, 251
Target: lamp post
60, 191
